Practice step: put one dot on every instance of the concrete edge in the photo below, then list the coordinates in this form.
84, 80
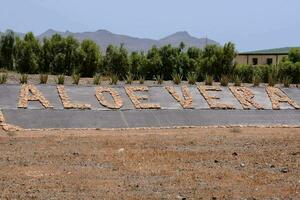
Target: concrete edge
167, 127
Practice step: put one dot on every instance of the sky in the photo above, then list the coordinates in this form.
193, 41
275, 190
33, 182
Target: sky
251, 25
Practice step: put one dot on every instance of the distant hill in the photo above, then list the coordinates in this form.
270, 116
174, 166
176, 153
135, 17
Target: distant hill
183, 36
104, 38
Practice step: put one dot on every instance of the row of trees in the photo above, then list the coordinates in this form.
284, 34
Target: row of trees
66, 55
56, 55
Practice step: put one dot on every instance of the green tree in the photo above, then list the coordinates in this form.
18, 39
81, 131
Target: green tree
153, 64
195, 55
296, 75
211, 59
170, 61
108, 62
181, 46
53, 54
72, 57
227, 65
217, 61
123, 60
294, 55
27, 54
7, 41
90, 57
60, 55
137, 61
116, 61
184, 65
58, 63
46, 56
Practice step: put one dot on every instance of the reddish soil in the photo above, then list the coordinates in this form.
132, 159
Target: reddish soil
195, 163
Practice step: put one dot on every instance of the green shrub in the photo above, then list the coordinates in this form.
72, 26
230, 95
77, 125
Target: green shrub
141, 79
256, 80
263, 72
296, 73
209, 80
176, 78
160, 79
294, 55
60, 79
76, 78
200, 74
289, 69
23, 78
272, 75
129, 78
237, 81
3, 78
97, 79
192, 78
286, 81
245, 72
113, 80
224, 80
43, 78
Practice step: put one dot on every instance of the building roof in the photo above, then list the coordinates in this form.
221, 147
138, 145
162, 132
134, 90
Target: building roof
276, 51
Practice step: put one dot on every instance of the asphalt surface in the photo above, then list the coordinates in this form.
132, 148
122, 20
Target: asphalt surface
9, 95
171, 114
26, 118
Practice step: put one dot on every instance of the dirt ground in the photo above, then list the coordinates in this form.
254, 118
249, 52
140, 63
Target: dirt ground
194, 163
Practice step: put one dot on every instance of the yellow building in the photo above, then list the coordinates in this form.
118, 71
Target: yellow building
263, 57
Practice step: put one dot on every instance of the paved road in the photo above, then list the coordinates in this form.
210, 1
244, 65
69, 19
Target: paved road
147, 118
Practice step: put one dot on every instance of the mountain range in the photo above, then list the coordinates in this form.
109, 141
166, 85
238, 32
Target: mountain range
104, 38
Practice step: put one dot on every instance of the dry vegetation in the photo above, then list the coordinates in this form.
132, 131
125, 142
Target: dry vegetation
14, 78
197, 163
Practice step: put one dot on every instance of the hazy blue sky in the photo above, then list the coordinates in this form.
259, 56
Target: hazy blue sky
252, 24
